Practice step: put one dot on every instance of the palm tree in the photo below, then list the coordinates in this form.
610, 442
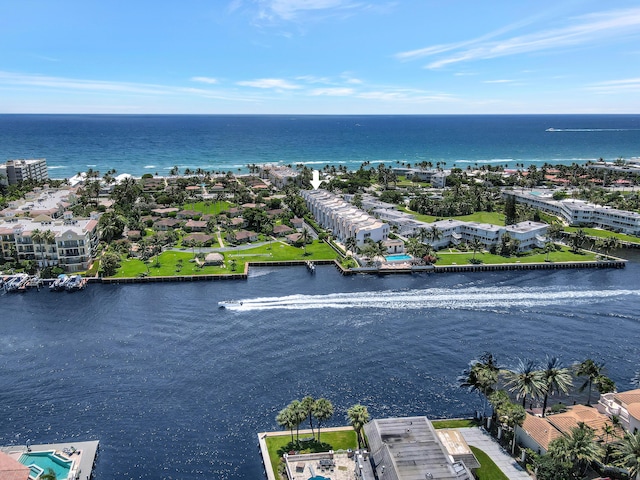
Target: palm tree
323, 411
358, 415
285, 419
591, 370
307, 404
434, 234
525, 380
304, 238
629, 451
36, 238
481, 376
548, 248
298, 415
556, 378
579, 448
477, 246
351, 244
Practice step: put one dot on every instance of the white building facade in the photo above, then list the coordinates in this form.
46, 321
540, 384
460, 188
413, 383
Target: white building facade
17, 171
343, 219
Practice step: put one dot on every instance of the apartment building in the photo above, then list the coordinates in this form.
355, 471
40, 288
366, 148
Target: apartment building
65, 242
343, 219
581, 213
17, 171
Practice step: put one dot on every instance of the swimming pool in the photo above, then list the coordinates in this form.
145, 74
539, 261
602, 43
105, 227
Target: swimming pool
398, 258
41, 462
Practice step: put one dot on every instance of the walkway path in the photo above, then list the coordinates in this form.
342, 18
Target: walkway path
485, 442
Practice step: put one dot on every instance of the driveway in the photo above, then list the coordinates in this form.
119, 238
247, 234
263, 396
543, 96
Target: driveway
485, 442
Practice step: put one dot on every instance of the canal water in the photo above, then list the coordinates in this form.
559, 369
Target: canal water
174, 387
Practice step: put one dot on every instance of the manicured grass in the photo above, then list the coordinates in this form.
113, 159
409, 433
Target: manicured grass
457, 423
493, 218
134, 267
341, 440
564, 255
595, 232
272, 252
488, 470
207, 208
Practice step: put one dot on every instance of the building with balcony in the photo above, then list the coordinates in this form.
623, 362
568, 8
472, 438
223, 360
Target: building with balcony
67, 242
624, 405
343, 219
17, 171
581, 213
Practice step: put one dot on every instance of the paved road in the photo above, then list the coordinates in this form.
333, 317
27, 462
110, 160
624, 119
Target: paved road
485, 442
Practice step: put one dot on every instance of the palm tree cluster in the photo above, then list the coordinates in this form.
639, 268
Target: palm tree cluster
534, 381
298, 411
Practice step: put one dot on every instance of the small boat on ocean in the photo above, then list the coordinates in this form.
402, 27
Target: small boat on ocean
229, 304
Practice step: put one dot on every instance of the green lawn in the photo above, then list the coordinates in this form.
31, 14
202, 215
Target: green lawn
272, 252
207, 207
565, 255
456, 423
595, 232
493, 218
488, 470
340, 440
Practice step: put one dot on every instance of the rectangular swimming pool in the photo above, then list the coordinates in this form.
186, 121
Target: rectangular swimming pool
398, 257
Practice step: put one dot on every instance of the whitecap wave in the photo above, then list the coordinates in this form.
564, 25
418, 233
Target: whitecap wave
488, 298
149, 166
592, 129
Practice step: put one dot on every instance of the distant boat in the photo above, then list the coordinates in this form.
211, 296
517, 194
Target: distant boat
229, 304
551, 130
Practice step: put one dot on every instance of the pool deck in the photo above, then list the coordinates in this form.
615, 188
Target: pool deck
85, 451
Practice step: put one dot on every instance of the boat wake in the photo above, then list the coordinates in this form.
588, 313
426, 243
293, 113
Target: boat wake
435, 298
591, 129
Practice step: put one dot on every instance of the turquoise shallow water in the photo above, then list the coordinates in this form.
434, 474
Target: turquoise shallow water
139, 144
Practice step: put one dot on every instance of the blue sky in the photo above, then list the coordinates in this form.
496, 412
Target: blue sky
319, 56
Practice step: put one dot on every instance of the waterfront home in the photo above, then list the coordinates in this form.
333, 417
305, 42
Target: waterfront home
12, 469
624, 405
394, 245
579, 212
71, 244
537, 433
213, 258
410, 448
343, 219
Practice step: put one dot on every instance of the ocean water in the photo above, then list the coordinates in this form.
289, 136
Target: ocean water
175, 388
139, 144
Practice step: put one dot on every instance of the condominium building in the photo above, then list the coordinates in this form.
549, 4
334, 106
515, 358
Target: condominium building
66, 242
17, 171
581, 213
279, 175
343, 219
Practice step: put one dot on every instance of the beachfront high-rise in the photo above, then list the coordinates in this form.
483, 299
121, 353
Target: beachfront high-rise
14, 172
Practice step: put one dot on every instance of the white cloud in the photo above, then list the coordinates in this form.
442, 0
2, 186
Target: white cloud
499, 81
208, 80
292, 9
628, 85
591, 29
276, 83
332, 92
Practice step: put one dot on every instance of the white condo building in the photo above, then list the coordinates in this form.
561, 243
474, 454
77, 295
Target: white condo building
17, 171
579, 212
343, 219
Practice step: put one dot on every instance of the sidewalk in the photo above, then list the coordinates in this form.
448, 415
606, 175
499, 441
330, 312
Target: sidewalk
485, 442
